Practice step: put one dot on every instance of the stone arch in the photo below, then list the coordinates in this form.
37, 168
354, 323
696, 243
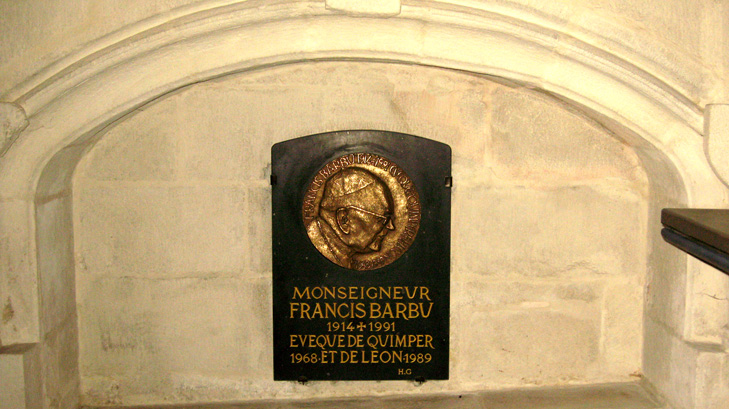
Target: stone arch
73, 101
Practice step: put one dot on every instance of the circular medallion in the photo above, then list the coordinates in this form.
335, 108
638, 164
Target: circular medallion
361, 211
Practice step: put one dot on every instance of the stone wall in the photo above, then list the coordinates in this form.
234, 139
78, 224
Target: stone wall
171, 218
672, 35
649, 71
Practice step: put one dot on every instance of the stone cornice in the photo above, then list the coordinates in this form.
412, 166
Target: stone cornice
122, 71
12, 122
717, 139
549, 34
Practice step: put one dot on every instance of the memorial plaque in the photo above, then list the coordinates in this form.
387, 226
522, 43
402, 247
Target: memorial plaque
361, 257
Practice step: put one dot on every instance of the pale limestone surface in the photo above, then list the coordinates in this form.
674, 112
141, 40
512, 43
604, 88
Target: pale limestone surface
172, 234
21, 387
663, 34
642, 69
12, 393
604, 396
381, 8
43, 32
716, 129
12, 122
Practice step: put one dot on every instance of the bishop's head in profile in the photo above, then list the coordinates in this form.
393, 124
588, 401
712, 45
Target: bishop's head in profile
355, 215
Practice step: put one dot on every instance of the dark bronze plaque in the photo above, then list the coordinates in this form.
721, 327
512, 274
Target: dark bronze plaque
361, 257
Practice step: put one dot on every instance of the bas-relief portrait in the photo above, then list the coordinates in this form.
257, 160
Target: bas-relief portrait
361, 211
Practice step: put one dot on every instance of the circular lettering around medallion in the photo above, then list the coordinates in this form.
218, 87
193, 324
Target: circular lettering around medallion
361, 211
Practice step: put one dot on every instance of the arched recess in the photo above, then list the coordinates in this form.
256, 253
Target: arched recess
68, 107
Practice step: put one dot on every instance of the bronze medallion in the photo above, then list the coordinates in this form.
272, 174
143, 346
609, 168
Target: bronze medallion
361, 211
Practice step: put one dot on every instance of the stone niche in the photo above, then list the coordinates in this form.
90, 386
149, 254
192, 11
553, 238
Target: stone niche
171, 226
134, 200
